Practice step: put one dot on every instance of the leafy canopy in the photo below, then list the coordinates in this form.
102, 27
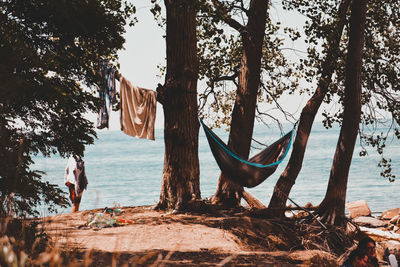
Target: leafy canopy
381, 70
222, 25
50, 51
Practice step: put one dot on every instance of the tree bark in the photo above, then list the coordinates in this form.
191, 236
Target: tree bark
332, 208
180, 178
229, 193
288, 177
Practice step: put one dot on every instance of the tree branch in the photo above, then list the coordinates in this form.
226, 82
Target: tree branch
226, 77
252, 200
222, 10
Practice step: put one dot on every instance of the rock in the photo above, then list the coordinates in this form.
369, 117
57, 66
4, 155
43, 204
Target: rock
381, 234
395, 220
369, 222
389, 214
358, 208
391, 244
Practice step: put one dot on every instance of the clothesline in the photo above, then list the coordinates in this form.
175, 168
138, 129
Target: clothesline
137, 105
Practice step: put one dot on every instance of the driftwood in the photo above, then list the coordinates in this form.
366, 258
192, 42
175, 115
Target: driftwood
253, 202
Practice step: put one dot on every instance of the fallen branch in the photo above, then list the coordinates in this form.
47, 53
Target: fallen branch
252, 201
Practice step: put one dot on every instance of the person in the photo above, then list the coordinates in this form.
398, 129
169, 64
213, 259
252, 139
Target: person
75, 179
392, 259
357, 258
386, 254
368, 245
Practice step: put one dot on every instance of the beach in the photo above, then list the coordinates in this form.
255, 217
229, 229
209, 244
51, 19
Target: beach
207, 237
190, 239
203, 235
79, 82
123, 174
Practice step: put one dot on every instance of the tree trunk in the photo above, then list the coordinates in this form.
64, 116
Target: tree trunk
289, 175
180, 179
332, 208
243, 114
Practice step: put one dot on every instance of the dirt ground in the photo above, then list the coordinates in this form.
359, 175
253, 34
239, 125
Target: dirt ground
163, 239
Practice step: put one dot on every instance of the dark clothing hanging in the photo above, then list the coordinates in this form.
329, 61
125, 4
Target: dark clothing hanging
107, 92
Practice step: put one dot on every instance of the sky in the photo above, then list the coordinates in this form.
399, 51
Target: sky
144, 50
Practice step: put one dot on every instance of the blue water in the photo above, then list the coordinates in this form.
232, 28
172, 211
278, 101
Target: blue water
127, 171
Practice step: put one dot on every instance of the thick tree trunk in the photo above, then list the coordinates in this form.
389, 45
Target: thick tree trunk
289, 175
180, 179
332, 208
243, 114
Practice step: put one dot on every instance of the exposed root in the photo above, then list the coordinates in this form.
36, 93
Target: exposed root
260, 230
333, 239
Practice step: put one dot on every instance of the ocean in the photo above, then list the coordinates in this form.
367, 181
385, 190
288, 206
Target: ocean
126, 171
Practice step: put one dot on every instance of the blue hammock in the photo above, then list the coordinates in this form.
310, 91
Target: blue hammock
251, 172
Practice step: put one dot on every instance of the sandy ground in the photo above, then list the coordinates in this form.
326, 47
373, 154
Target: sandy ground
150, 230
179, 240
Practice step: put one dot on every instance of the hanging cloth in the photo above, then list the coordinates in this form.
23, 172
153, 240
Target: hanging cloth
107, 92
252, 172
138, 110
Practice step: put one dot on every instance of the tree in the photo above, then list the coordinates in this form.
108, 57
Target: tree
379, 94
50, 52
180, 178
307, 116
248, 75
220, 54
332, 208
381, 73
231, 37
379, 85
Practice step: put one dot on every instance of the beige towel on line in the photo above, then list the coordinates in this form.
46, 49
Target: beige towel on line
138, 110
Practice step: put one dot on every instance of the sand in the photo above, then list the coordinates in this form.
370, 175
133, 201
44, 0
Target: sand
150, 231
160, 238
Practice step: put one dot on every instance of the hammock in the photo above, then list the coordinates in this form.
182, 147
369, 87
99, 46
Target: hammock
252, 172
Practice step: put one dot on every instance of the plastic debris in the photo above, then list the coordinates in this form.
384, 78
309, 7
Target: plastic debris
100, 220
107, 218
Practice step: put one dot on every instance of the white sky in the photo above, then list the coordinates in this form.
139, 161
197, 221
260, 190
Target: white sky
145, 50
